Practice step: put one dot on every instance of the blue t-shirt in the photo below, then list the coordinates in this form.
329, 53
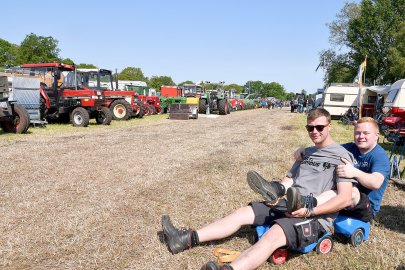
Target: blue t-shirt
374, 161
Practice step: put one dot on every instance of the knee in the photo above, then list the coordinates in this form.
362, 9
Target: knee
244, 215
355, 196
275, 235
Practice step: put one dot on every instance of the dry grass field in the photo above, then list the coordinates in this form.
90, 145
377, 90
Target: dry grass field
92, 198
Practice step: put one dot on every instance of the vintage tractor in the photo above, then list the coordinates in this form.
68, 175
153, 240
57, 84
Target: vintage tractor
215, 100
123, 104
64, 98
14, 117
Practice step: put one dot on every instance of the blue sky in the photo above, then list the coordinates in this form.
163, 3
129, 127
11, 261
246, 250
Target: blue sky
232, 41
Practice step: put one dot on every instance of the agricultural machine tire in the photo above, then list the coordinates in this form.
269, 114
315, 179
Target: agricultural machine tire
146, 111
152, 109
20, 122
141, 111
228, 111
202, 107
104, 116
80, 117
357, 237
159, 110
121, 110
222, 107
279, 256
325, 246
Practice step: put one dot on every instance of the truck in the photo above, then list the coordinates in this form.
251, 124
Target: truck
63, 98
14, 117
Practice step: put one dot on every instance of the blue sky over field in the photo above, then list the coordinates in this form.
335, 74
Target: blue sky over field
232, 41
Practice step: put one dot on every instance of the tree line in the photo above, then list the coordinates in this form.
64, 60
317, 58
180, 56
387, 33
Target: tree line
372, 29
40, 49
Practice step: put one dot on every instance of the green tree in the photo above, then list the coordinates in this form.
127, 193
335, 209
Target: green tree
8, 53
186, 82
84, 65
274, 89
396, 55
157, 81
365, 29
36, 49
238, 88
132, 74
67, 61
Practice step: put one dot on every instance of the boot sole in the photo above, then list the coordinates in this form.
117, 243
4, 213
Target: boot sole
255, 182
292, 200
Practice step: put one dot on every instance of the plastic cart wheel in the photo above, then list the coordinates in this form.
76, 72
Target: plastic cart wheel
279, 256
325, 245
357, 237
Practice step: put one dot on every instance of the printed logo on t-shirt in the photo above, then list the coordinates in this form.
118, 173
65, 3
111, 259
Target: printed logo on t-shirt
310, 161
326, 165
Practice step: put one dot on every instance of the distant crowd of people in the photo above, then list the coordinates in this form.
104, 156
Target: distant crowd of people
301, 104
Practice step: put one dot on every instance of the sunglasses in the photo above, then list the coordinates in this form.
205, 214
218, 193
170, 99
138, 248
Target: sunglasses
319, 128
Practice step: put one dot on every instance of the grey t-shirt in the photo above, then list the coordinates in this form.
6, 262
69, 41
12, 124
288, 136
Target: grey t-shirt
317, 173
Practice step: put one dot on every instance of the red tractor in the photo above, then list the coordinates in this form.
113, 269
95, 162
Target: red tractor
63, 98
148, 97
123, 104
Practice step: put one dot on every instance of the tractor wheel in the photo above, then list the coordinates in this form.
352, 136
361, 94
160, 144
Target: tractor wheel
202, 107
325, 246
222, 106
357, 237
159, 110
121, 110
228, 111
152, 109
80, 117
279, 256
146, 111
104, 116
141, 111
20, 122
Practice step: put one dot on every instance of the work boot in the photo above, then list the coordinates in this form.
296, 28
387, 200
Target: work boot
269, 190
178, 240
216, 266
296, 201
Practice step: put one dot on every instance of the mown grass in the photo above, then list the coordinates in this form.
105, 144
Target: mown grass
61, 128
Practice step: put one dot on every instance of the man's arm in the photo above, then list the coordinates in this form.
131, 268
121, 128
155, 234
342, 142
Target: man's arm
342, 200
371, 181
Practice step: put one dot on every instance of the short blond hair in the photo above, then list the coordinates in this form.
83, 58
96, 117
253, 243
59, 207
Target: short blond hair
370, 120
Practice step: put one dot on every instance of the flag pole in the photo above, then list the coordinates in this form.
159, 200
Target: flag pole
363, 66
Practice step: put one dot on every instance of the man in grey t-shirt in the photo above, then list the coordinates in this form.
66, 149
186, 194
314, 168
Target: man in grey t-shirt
314, 175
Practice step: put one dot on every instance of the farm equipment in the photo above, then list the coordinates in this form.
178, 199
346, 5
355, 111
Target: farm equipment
14, 117
63, 98
148, 98
123, 104
181, 102
215, 100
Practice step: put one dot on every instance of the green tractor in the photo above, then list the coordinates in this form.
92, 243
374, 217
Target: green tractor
215, 100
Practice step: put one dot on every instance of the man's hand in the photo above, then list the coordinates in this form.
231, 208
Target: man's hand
299, 154
346, 170
300, 213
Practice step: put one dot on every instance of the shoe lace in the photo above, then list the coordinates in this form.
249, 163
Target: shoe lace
309, 204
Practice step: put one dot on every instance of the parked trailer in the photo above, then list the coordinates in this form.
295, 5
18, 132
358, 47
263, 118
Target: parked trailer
338, 98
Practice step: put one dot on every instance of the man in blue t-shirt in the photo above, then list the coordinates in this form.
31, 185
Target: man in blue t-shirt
371, 169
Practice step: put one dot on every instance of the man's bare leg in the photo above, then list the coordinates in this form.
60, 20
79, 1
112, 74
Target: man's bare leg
227, 226
254, 256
